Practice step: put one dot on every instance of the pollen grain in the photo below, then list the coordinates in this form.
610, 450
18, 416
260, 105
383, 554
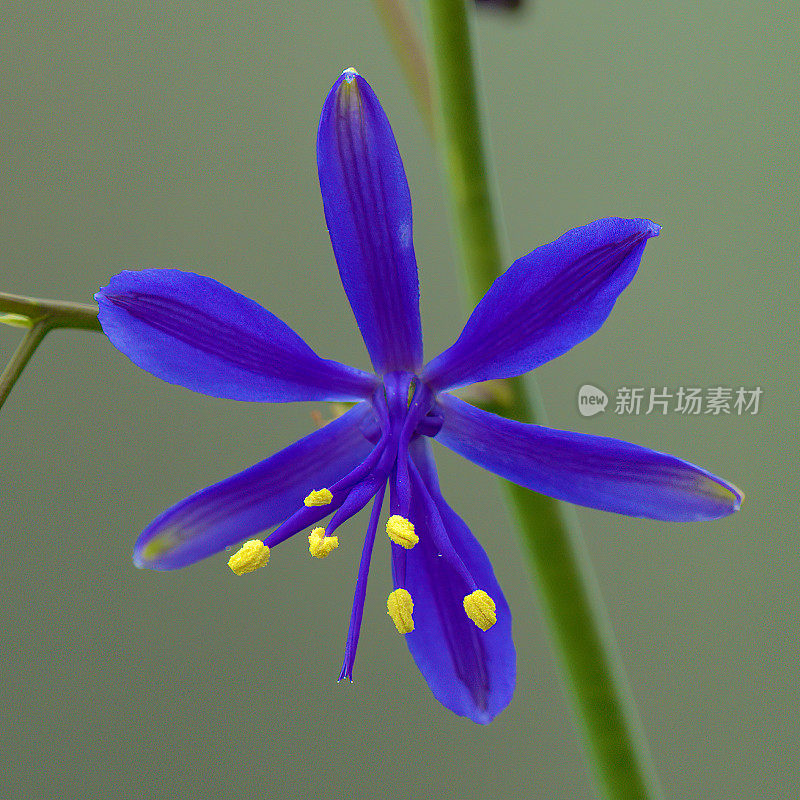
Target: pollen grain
318, 497
401, 531
400, 607
320, 545
481, 609
252, 555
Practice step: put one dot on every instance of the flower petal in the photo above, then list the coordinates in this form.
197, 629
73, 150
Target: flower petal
193, 331
587, 470
470, 671
254, 500
368, 212
544, 304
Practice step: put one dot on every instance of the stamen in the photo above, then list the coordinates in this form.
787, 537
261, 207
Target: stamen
302, 518
360, 594
400, 607
340, 490
253, 555
481, 609
318, 497
399, 559
320, 545
355, 501
401, 531
364, 468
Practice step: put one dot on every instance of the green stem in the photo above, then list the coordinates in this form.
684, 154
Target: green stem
38, 317
460, 139
22, 355
402, 33
58, 313
594, 675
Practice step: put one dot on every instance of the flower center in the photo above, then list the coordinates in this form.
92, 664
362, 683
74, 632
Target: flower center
403, 409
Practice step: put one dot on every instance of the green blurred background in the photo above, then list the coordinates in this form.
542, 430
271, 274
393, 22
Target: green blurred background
182, 135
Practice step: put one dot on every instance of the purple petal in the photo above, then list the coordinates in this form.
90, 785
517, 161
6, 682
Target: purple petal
470, 671
544, 304
368, 212
254, 500
195, 332
587, 470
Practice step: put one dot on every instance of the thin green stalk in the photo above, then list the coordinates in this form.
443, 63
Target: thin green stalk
59, 313
401, 31
39, 317
593, 672
27, 347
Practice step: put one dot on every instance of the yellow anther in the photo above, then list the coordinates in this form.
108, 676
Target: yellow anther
319, 497
320, 545
401, 531
481, 609
250, 557
400, 606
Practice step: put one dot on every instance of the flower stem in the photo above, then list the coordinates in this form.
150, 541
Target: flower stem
27, 347
402, 33
594, 675
58, 313
39, 317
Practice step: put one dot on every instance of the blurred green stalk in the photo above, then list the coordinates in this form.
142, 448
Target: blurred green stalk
401, 32
593, 672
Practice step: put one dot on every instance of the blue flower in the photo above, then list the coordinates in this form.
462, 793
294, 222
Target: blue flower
195, 332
